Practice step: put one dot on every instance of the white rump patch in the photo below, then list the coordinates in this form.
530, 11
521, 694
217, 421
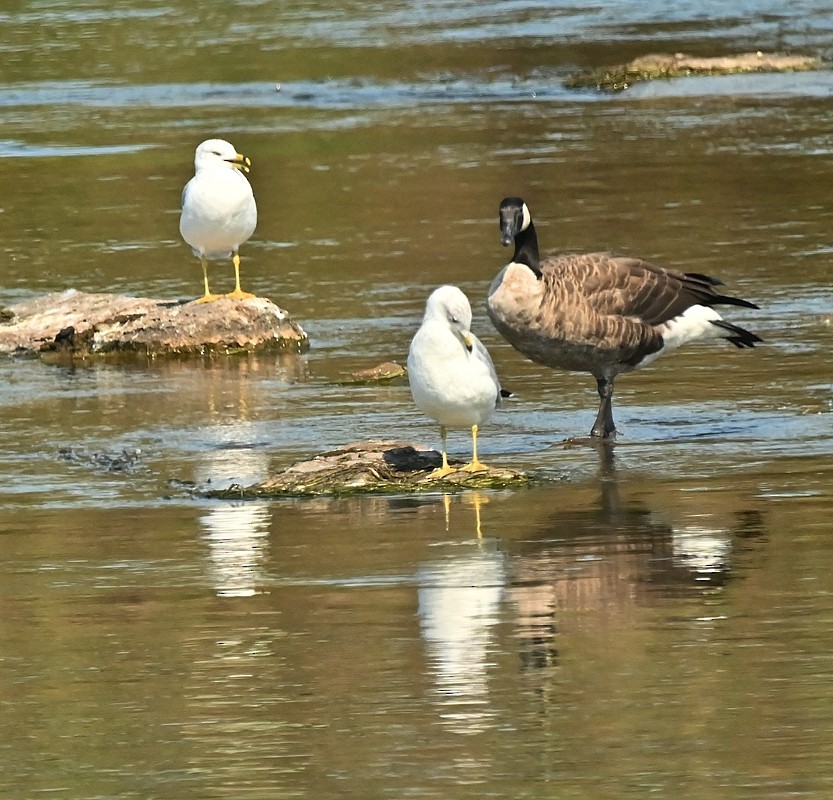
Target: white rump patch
693, 323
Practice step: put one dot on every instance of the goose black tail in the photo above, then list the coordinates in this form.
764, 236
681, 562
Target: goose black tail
704, 286
728, 300
739, 337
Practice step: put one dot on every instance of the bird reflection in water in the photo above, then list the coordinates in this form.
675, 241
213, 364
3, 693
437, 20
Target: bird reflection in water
476, 500
702, 551
459, 607
238, 538
237, 534
605, 553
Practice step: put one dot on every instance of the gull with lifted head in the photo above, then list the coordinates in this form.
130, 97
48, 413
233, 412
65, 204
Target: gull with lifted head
218, 210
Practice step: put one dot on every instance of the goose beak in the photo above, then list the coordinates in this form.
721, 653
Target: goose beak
240, 162
507, 232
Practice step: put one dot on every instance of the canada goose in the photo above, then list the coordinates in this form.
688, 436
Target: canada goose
451, 374
598, 312
218, 209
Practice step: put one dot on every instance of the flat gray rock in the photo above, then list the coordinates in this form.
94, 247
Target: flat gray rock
85, 324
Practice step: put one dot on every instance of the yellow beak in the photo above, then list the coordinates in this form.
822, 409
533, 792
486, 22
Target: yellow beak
240, 162
468, 342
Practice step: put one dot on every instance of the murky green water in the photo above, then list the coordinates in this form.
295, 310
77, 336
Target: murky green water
655, 626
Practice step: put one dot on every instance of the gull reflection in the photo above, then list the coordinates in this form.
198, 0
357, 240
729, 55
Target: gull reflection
238, 539
237, 534
459, 605
477, 500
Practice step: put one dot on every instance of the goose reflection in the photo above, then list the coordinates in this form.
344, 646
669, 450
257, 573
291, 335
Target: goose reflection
459, 606
617, 544
608, 525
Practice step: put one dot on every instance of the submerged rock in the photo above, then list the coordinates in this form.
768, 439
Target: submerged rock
381, 467
386, 371
122, 461
81, 324
677, 65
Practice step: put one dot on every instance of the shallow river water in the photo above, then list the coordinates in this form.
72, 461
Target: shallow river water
655, 624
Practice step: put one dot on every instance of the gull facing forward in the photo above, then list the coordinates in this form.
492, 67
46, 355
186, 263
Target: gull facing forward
218, 210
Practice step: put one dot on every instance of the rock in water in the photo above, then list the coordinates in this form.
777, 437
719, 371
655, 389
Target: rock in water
82, 324
680, 65
382, 467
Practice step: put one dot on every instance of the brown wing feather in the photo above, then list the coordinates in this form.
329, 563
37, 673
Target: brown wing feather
585, 318
615, 285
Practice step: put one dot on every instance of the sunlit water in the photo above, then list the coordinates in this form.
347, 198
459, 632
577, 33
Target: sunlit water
655, 624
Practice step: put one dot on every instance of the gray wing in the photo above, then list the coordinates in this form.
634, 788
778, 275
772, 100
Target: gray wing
482, 353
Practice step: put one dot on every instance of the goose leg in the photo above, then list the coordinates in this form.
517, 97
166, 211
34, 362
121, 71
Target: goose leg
207, 297
604, 426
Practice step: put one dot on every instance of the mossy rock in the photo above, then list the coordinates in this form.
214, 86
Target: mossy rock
678, 65
381, 467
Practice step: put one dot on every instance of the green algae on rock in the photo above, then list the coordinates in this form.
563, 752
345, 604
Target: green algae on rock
80, 324
378, 467
678, 65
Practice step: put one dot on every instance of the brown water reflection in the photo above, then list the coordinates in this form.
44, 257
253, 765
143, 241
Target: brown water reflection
258, 649
658, 623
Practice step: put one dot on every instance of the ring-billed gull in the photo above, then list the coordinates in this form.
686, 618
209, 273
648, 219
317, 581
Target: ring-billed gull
218, 209
600, 313
451, 374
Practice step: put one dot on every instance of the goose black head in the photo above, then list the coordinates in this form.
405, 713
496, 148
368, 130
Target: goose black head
514, 217
516, 226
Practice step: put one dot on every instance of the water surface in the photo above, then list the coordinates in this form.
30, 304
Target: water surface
657, 623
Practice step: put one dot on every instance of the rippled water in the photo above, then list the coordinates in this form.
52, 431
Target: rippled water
657, 623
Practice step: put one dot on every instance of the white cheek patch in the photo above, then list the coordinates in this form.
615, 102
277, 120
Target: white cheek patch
527, 218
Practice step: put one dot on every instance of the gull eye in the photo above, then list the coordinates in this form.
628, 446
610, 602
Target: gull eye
453, 320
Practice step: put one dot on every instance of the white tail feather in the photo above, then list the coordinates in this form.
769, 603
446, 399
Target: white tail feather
694, 323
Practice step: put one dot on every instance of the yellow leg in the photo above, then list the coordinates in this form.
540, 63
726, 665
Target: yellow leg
207, 297
238, 293
444, 469
475, 465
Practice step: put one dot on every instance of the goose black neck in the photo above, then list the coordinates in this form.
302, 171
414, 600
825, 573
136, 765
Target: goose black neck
526, 250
